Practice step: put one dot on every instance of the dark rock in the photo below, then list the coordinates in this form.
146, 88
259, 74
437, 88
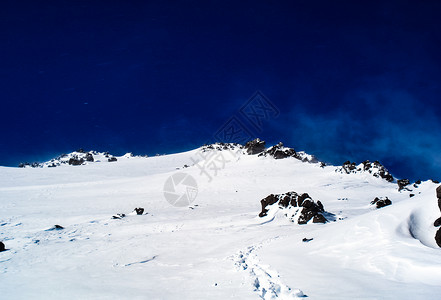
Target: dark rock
269, 200
139, 211
302, 198
118, 216
279, 152
381, 202
382, 171
402, 183
438, 237
437, 222
319, 218
221, 146
2, 247
309, 208
75, 161
111, 159
284, 202
89, 157
349, 166
320, 206
439, 203
305, 216
435, 181
375, 168
411, 195
305, 240
56, 227
307, 203
438, 192
32, 165
255, 146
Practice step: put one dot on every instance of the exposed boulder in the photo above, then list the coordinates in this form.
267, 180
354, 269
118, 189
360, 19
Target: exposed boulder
89, 157
2, 247
270, 200
112, 159
319, 218
300, 208
380, 202
438, 221
438, 195
438, 237
75, 161
402, 183
118, 216
255, 146
139, 211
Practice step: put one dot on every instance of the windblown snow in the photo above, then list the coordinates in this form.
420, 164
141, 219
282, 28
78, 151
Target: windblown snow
216, 247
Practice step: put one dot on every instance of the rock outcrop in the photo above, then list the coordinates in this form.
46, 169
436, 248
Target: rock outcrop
118, 216
76, 161
375, 168
438, 221
2, 247
139, 211
255, 146
221, 146
380, 202
402, 183
279, 152
298, 208
438, 195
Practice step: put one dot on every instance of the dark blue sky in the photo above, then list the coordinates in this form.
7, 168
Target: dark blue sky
352, 79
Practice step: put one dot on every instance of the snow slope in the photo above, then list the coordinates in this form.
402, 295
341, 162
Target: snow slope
217, 247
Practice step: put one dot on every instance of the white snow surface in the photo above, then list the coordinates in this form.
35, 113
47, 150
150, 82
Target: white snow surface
217, 247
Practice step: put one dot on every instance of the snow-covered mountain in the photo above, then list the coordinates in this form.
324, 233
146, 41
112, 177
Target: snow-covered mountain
225, 221
76, 158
